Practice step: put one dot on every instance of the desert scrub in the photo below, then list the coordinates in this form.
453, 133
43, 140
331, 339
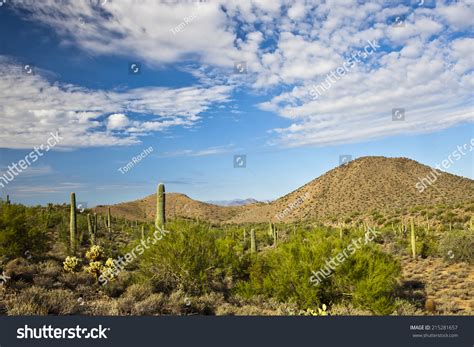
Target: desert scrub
22, 230
72, 264
457, 246
368, 276
40, 301
193, 258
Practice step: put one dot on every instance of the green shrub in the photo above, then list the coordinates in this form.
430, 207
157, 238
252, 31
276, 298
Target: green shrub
458, 245
192, 258
22, 230
368, 275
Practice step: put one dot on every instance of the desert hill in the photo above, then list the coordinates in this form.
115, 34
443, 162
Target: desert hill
176, 205
360, 186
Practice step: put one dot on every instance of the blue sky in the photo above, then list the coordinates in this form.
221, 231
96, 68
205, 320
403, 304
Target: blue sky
196, 111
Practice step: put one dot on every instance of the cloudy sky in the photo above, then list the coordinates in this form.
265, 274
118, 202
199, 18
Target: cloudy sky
202, 82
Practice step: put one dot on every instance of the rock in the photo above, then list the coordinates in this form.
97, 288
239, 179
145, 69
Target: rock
430, 305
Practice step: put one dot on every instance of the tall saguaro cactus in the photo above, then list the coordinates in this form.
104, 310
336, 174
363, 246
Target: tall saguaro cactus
253, 242
412, 238
109, 221
73, 224
271, 229
8, 200
160, 206
92, 227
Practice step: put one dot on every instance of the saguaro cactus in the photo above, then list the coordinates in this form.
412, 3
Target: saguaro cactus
160, 206
412, 237
92, 227
275, 237
143, 232
8, 200
253, 242
73, 224
109, 221
271, 229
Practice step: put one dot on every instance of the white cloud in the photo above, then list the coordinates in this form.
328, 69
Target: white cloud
32, 107
288, 46
199, 153
117, 121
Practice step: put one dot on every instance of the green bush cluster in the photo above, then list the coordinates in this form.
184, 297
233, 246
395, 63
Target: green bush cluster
22, 230
368, 276
193, 258
458, 245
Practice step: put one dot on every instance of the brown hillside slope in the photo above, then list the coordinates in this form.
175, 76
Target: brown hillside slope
362, 185
176, 205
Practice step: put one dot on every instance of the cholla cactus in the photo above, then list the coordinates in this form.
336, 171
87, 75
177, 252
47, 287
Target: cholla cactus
320, 312
95, 253
109, 270
72, 264
95, 268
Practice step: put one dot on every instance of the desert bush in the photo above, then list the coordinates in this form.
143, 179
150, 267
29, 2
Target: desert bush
40, 301
457, 245
284, 274
20, 269
151, 305
192, 258
21, 230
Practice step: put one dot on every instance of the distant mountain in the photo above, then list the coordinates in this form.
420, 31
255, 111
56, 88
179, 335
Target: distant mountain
360, 186
235, 202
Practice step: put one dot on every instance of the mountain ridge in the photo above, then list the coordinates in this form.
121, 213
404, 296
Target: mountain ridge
359, 186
